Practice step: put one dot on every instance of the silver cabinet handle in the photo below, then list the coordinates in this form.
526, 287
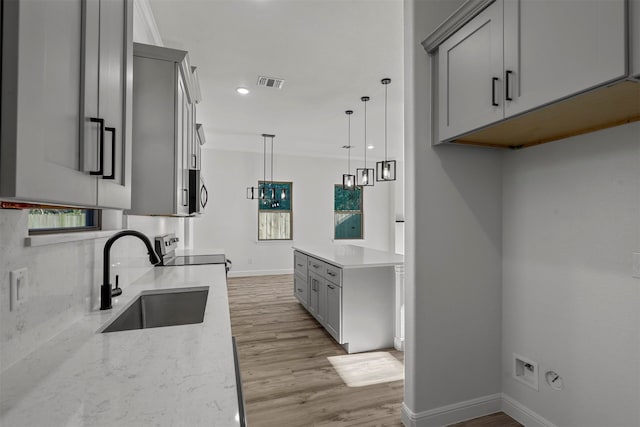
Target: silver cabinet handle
185, 197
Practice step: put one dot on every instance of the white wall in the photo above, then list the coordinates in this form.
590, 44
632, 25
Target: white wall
230, 220
571, 213
453, 253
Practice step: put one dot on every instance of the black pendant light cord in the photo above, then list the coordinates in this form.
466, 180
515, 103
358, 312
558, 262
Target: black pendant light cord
349, 147
386, 85
365, 99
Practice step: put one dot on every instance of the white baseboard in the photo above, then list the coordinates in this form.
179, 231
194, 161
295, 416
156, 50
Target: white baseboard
522, 414
454, 413
398, 343
247, 273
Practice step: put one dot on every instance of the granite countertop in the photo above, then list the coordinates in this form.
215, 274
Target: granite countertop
351, 256
178, 375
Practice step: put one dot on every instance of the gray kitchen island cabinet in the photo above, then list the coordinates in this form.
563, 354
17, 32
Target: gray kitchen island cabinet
350, 290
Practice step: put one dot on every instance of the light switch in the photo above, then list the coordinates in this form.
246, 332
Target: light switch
19, 283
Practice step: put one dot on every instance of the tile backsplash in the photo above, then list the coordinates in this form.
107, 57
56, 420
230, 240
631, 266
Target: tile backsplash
64, 279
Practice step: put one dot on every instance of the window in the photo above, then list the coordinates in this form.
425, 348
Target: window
48, 220
45, 219
347, 212
275, 217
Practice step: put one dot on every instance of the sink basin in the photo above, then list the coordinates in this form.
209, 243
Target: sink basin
158, 308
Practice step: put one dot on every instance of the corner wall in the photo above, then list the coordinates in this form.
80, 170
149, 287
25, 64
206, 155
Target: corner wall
571, 213
453, 258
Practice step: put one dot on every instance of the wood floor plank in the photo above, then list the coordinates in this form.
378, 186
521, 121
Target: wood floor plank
287, 378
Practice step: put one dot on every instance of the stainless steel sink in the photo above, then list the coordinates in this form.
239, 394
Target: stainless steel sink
166, 307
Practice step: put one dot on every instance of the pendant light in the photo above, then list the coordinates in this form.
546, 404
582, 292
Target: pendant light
258, 192
365, 176
386, 169
348, 180
272, 189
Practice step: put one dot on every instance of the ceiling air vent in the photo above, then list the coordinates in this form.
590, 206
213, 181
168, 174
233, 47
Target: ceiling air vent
270, 82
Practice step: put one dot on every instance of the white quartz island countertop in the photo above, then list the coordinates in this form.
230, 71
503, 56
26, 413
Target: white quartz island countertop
351, 256
169, 376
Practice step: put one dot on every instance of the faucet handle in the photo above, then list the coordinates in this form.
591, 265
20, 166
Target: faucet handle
117, 290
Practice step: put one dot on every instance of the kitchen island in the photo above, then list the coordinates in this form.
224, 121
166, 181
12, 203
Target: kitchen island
350, 290
167, 376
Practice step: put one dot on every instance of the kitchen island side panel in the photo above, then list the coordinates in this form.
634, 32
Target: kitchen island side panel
368, 308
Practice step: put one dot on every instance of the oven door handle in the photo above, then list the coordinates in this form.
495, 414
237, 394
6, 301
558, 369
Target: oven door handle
204, 196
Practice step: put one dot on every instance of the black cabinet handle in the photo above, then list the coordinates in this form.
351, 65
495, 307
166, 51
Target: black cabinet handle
100, 170
493, 91
331, 286
507, 79
204, 196
113, 153
331, 273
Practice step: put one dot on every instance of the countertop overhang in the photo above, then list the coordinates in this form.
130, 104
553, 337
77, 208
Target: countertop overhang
178, 375
352, 256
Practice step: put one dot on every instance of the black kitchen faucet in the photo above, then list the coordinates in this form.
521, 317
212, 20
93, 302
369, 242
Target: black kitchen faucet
106, 292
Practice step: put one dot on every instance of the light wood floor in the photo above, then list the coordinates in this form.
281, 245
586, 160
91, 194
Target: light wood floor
288, 380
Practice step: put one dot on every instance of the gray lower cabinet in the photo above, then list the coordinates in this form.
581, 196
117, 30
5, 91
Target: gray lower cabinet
66, 102
163, 130
333, 319
354, 305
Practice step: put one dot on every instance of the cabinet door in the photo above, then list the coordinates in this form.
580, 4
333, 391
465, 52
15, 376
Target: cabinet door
315, 282
554, 49
321, 314
40, 151
115, 91
470, 75
334, 311
182, 181
301, 289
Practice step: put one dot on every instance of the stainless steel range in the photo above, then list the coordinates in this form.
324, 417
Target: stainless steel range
166, 247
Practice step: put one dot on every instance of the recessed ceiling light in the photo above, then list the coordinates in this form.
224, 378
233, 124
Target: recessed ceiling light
370, 147
242, 91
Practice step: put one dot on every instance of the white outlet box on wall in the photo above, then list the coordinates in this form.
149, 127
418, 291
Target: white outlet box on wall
525, 371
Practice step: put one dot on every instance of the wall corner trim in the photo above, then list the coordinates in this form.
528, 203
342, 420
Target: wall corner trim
453, 413
522, 414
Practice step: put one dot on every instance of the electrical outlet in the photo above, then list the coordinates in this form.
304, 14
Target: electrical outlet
19, 284
636, 265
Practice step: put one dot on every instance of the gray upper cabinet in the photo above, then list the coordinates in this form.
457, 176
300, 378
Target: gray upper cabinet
634, 40
43, 148
554, 49
107, 97
504, 59
468, 65
163, 130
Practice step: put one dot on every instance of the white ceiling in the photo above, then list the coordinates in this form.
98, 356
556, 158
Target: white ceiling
329, 52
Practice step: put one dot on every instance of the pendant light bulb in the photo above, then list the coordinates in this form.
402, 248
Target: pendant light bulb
365, 175
348, 180
386, 169
283, 194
